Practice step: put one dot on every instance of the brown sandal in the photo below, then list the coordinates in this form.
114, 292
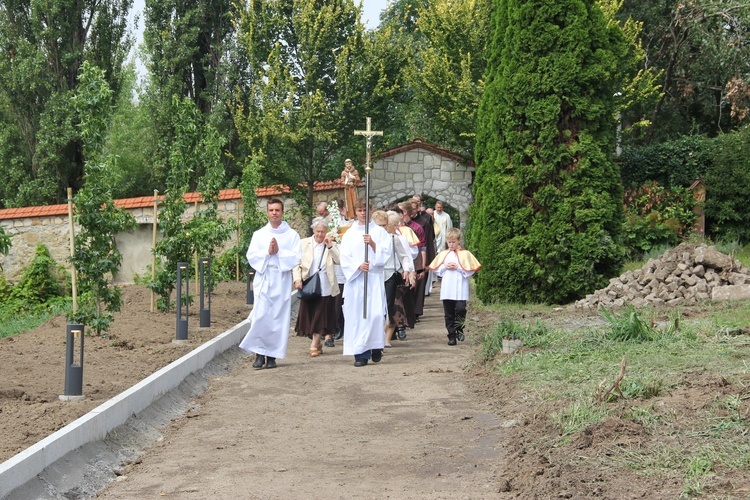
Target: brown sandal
315, 352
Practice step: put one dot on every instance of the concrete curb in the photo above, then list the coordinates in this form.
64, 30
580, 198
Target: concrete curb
97, 423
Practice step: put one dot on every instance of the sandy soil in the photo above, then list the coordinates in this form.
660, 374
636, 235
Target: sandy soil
426, 422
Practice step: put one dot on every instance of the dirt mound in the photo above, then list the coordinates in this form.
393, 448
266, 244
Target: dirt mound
687, 273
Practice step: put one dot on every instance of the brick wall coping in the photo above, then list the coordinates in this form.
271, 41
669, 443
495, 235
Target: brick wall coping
148, 201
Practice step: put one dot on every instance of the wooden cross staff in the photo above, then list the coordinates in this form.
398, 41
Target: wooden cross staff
369, 134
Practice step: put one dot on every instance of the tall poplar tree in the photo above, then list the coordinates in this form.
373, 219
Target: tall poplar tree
547, 212
190, 49
306, 55
44, 44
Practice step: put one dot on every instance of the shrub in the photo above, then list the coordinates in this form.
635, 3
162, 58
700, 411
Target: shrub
40, 281
656, 216
672, 164
548, 197
727, 185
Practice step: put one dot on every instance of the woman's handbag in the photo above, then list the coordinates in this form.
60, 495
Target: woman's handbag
311, 288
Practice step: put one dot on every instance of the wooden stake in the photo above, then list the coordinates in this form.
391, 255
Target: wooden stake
73, 281
153, 248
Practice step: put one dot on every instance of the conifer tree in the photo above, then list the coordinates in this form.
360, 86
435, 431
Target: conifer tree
547, 212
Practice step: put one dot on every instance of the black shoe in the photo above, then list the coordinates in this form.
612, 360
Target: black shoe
451, 341
329, 343
339, 335
271, 362
461, 336
259, 361
360, 362
401, 333
377, 355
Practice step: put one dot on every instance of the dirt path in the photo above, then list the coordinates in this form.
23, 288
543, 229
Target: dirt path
321, 428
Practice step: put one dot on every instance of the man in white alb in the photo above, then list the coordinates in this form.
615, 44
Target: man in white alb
444, 222
274, 251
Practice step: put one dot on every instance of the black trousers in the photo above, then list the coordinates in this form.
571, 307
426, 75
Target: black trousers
455, 316
339, 304
390, 293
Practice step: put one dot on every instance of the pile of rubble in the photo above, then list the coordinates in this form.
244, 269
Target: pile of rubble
685, 274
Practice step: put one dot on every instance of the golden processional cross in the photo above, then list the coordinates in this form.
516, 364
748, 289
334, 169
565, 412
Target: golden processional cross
369, 134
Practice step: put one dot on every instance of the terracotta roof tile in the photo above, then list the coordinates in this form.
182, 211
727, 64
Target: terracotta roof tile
148, 201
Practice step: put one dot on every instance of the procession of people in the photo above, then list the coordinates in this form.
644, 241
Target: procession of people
361, 278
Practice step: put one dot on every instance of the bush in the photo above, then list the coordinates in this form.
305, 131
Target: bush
548, 197
672, 164
655, 217
727, 185
40, 281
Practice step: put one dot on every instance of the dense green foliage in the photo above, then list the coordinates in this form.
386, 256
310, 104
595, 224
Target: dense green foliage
701, 50
44, 45
96, 258
306, 57
547, 192
41, 281
672, 163
656, 217
727, 187
192, 54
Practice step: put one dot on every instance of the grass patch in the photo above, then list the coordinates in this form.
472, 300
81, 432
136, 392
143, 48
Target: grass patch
12, 323
569, 357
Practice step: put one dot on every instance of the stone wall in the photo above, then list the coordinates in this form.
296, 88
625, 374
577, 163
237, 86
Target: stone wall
398, 173
422, 168
135, 246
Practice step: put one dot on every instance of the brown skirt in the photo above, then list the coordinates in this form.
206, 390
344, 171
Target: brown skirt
317, 316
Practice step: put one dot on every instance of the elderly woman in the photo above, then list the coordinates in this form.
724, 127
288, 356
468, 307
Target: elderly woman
317, 317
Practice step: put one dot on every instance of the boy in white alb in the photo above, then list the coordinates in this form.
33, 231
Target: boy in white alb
454, 265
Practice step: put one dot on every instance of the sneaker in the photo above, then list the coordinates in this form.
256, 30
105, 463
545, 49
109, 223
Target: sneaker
451, 341
271, 362
259, 361
388, 345
329, 343
377, 355
360, 362
401, 333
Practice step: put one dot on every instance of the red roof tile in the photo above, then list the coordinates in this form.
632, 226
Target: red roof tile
148, 201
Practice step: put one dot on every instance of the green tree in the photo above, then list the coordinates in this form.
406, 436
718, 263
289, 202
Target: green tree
701, 48
306, 55
548, 200
96, 258
197, 146
44, 45
129, 134
446, 77
192, 53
